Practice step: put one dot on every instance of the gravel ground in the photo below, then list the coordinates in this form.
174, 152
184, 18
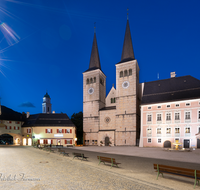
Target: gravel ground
31, 168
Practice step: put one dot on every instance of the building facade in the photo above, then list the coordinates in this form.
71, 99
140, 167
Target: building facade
170, 112
112, 120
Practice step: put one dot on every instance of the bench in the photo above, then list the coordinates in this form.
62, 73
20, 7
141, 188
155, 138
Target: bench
108, 160
79, 155
182, 172
63, 152
52, 150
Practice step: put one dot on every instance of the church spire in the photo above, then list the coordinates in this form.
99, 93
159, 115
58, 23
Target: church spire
94, 58
127, 52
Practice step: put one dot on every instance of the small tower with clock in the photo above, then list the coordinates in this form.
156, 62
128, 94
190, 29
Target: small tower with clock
46, 105
94, 92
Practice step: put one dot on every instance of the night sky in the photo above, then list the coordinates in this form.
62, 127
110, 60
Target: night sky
46, 45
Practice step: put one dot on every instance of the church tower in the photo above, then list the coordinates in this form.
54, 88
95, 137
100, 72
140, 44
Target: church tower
127, 94
94, 92
46, 105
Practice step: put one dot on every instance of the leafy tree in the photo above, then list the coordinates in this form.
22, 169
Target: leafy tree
77, 119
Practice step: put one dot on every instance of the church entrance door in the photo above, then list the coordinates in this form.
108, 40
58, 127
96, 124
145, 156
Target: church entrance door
107, 141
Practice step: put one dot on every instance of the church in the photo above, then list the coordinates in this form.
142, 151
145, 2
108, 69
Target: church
113, 120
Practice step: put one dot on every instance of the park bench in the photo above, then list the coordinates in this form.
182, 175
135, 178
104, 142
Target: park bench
181, 172
79, 155
63, 152
108, 160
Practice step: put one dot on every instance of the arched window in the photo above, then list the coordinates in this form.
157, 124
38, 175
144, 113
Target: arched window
125, 73
91, 80
94, 79
130, 71
121, 74
88, 81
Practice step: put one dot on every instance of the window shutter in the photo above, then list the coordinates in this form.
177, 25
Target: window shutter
51, 140
46, 130
10, 121
27, 130
57, 130
6, 127
14, 127
65, 130
70, 141
65, 140
30, 130
70, 130
62, 130
38, 141
51, 130
10, 127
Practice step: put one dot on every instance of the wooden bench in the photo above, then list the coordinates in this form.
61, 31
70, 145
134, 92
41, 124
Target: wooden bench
79, 155
63, 152
108, 160
182, 172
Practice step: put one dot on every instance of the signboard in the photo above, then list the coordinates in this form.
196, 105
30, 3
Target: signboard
58, 135
27, 135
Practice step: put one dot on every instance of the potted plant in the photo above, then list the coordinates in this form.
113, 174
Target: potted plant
109, 143
101, 143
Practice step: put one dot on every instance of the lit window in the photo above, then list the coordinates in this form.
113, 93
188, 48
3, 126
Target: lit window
159, 140
159, 118
148, 118
187, 115
177, 130
48, 130
168, 116
187, 130
177, 116
68, 130
168, 130
159, 131
59, 130
148, 131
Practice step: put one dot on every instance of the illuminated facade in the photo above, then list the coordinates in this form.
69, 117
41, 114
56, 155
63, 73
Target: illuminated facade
112, 120
170, 111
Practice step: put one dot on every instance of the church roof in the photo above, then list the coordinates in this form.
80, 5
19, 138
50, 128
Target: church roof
43, 119
47, 95
9, 114
127, 51
172, 89
94, 58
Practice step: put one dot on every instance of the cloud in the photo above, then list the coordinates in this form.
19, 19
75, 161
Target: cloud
27, 104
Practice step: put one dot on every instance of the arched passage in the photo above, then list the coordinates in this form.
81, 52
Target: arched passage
6, 139
167, 144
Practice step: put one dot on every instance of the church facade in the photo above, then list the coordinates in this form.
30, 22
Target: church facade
113, 120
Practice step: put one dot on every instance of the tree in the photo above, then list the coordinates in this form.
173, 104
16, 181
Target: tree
77, 120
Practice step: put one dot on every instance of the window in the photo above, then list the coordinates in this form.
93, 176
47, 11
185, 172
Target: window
94, 79
159, 131
168, 106
149, 132
101, 81
187, 130
187, 115
130, 71
121, 74
159, 141
125, 73
149, 108
112, 100
187, 104
49, 141
59, 130
28, 130
177, 130
168, 117
88, 81
148, 118
177, 105
91, 80
149, 140
95, 142
48, 130
68, 130
198, 114
177, 116
168, 130
159, 107
159, 118
199, 130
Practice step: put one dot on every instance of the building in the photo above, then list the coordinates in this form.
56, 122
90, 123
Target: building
170, 111
113, 119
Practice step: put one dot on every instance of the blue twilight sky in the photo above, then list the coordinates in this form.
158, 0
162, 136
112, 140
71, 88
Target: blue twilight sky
46, 45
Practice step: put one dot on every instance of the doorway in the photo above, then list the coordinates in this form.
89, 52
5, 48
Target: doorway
186, 143
198, 143
59, 142
107, 141
167, 144
6, 139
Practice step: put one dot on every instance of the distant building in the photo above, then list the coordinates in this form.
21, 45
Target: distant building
170, 111
46, 105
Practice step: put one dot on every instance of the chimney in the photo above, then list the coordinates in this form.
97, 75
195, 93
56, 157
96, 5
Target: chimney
173, 74
53, 112
27, 114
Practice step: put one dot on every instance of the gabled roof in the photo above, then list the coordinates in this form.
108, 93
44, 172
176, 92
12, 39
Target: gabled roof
127, 51
9, 114
94, 58
43, 119
173, 89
